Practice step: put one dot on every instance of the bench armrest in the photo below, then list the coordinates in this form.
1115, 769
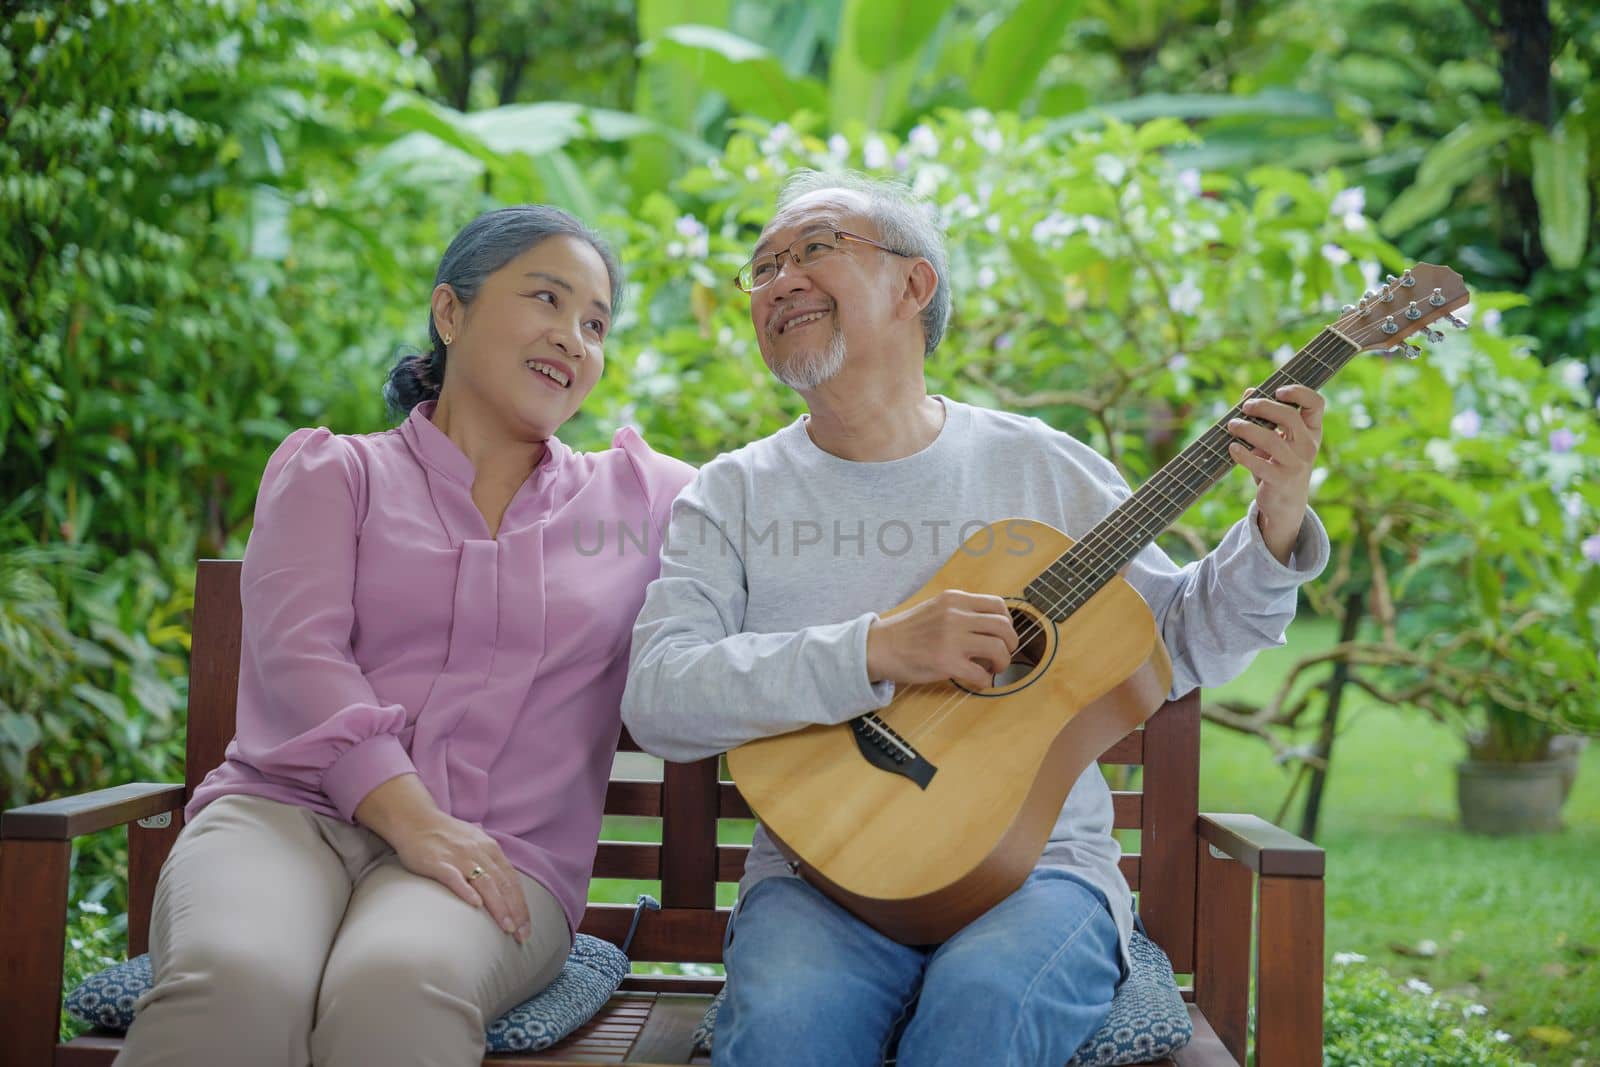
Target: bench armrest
1266, 849
66, 818
1255, 878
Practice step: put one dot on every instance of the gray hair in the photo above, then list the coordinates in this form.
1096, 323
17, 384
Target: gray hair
905, 222
483, 246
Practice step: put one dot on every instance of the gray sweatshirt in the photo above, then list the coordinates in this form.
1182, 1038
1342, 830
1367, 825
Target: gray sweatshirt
779, 555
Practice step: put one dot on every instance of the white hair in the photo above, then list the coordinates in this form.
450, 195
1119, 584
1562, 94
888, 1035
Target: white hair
905, 222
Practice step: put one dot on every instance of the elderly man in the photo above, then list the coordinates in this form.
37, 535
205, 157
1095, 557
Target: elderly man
764, 620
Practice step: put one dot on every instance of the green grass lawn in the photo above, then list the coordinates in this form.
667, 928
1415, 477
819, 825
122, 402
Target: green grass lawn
1513, 924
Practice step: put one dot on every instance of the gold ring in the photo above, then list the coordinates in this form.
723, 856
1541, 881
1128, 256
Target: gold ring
476, 873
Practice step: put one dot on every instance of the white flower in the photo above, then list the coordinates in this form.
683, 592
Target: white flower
1491, 319
989, 140
1186, 297
922, 140
1052, 226
1178, 362
1501, 1036
780, 137
839, 147
874, 153
1111, 169
91, 907
1466, 423
992, 223
1318, 476
1335, 255
1441, 455
688, 226
752, 173
1346, 958
986, 277
1371, 273
1417, 985
1574, 373
647, 362
675, 250
1474, 1009
1350, 205
1189, 181
1283, 354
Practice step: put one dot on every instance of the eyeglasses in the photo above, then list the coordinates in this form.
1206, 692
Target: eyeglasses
803, 253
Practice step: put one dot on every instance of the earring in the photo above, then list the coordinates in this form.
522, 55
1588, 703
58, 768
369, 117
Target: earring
449, 339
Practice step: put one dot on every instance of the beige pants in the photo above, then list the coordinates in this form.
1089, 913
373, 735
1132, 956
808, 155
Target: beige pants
282, 937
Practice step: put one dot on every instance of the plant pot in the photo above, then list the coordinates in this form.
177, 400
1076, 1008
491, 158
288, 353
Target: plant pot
1512, 798
1567, 750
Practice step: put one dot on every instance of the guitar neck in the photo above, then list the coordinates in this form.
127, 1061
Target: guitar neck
1080, 572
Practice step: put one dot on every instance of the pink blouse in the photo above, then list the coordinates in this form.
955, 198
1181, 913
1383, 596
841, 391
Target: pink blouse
385, 632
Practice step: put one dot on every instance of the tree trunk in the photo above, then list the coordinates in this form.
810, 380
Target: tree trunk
1524, 42
1353, 606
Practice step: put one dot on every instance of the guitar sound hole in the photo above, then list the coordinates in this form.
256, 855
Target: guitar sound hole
1029, 653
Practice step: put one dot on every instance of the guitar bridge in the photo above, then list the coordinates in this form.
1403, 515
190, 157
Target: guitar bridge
888, 751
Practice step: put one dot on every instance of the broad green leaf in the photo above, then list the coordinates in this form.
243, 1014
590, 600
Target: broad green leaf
1018, 49
1561, 186
751, 78
1415, 206
1460, 156
1464, 151
1197, 106
887, 32
660, 95
856, 91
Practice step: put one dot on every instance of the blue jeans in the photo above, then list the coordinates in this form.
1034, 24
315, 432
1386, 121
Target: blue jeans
1023, 985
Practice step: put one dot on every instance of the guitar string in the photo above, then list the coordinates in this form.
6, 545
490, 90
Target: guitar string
1095, 552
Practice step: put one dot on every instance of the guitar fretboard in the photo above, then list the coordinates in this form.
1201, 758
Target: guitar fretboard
1069, 582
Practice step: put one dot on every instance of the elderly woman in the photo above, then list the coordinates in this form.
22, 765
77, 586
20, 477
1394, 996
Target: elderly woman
398, 845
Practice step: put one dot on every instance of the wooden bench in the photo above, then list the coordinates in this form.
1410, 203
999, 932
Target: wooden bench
1206, 884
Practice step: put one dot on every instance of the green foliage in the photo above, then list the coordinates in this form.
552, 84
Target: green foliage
189, 271
1371, 1021
1464, 495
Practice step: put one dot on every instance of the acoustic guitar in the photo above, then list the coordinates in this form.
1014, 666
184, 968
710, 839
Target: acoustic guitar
921, 816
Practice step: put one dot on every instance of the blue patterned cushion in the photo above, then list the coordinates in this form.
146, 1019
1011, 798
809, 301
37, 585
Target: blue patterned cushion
106, 998
1148, 1020
592, 973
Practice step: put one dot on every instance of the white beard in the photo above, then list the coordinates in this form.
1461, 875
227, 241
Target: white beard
807, 370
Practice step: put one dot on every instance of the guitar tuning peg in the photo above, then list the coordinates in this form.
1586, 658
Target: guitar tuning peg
1403, 349
1457, 323
1434, 335
1391, 279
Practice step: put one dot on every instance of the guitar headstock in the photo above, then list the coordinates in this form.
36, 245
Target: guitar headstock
1409, 304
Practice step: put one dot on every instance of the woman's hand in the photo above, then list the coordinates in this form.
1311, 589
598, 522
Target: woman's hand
456, 854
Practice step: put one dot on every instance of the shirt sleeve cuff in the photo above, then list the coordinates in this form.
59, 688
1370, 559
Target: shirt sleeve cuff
362, 768
869, 695
1309, 555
